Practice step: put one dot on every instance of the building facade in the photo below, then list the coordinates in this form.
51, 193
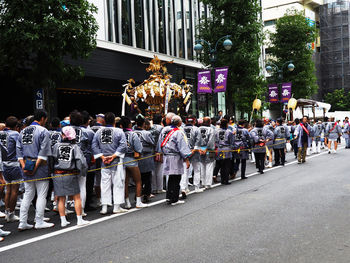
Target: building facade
335, 50
130, 33
272, 10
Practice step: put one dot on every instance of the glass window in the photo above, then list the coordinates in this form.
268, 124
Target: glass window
270, 23
161, 26
171, 24
109, 17
179, 28
179, 15
190, 28
126, 23
139, 27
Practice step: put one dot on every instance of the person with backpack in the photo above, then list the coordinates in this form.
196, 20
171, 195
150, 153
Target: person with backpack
68, 161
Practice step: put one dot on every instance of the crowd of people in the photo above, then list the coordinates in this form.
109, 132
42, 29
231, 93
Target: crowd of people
87, 162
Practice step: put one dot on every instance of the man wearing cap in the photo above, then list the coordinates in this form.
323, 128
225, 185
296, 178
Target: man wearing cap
109, 145
33, 149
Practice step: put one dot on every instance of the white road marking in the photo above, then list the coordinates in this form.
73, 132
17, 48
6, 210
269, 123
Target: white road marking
105, 218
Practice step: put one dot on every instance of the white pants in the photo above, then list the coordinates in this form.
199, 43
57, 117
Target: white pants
157, 177
308, 151
41, 188
113, 176
316, 147
197, 174
82, 186
207, 170
185, 176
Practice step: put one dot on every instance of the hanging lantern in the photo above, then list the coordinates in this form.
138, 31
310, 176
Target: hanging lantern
292, 103
256, 104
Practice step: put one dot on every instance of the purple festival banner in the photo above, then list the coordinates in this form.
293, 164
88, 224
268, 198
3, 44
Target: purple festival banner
273, 93
204, 81
221, 79
286, 91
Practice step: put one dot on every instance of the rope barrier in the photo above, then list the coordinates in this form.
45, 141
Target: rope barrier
136, 160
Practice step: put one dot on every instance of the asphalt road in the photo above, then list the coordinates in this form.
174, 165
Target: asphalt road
296, 213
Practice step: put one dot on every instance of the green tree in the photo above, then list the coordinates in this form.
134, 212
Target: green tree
36, 37
241, 20
339, 100
291, 41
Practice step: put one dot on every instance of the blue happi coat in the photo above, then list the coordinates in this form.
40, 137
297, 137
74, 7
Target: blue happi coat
175, 151
108, 141
34, 142
299, 132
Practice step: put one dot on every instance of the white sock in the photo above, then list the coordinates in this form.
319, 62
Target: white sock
138, 200
80, 219
64, 221
127, 202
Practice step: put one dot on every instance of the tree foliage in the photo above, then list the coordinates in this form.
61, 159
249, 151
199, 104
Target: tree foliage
291, 41
241, 20
37, 35
339, 99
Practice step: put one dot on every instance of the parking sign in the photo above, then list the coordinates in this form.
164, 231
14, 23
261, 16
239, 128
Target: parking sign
39, 99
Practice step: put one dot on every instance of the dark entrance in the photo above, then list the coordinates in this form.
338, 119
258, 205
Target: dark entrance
95, 95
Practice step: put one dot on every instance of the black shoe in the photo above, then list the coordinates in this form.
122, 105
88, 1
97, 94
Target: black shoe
89, 208
225, 183
145, 199
276, 164
261, 172
243, 177
183, 196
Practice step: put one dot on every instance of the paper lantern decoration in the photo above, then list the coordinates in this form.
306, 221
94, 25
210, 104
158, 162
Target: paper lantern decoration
292, 103
256, 104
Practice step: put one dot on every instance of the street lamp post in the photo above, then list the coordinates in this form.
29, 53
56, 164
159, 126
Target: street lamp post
273, 68
227, 44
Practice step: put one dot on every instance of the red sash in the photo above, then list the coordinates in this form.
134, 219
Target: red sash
168, 137
302, 126
335, 125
